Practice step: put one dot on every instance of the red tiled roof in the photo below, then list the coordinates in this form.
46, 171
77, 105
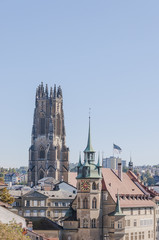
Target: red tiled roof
157, 198
114, 184
127, 186
72, 178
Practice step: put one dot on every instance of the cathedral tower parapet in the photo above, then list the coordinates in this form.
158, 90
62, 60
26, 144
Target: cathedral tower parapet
48, 154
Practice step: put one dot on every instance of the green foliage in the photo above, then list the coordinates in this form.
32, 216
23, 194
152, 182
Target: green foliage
136, 172
125, 169
150, 181
12, 170
1, 179
11, 231
147, 174
5, 196
147, 179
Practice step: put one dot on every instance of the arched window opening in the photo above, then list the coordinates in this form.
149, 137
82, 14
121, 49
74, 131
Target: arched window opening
41, 175
51, 172
93, 223
78, 223
94, 186
42, 153
58, 125
94, 203
85, 223
42, 126
85, 203
79, 203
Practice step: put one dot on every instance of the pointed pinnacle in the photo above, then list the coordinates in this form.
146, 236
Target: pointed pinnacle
89, 147
54, 90
98, 164
51, 94
118, 209
79, 163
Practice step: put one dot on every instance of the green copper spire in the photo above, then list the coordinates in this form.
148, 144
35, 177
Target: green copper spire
79, 163
117, 211
98, 163
89, 145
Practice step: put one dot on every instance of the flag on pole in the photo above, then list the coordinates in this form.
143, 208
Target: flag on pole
116, 147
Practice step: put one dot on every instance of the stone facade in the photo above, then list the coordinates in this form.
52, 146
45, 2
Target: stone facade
110, 204
48, 154
42, 203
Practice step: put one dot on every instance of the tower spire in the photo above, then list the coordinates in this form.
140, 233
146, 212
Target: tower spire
98, 164
117, 211
51, 93
89, 147
59, 92
54, 90
130, 163
79, 163
46, 90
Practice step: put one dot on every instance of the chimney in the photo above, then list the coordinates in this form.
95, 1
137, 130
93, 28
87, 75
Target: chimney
120, 171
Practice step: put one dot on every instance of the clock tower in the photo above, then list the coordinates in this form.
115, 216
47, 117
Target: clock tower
89, 194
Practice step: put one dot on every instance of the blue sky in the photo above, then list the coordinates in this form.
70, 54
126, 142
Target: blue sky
105, 56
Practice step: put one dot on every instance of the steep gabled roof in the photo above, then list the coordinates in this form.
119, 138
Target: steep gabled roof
114, 184
131, 192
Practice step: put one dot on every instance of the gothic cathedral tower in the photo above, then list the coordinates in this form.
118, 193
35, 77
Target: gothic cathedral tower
89, 195
48, 154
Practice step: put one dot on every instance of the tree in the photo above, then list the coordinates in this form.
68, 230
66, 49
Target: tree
150, 181
5, 196
125, 169
1, 179
11, 231
136, 172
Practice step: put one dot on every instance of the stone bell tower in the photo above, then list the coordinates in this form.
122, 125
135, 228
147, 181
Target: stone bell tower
48, 154
89, 195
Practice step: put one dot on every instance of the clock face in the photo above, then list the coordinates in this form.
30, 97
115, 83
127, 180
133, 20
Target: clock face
85, 185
